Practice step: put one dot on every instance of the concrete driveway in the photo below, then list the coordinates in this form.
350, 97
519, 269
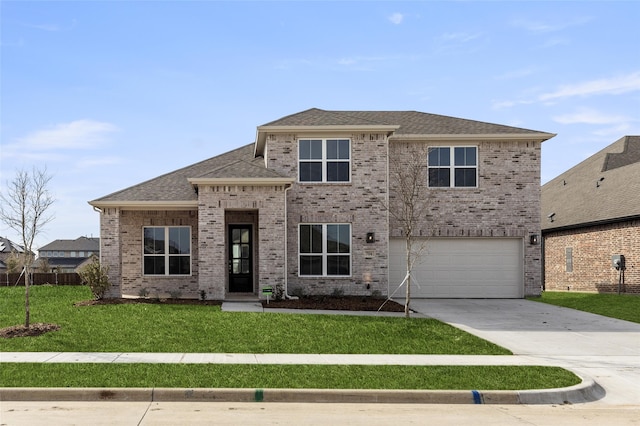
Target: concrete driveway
605, 349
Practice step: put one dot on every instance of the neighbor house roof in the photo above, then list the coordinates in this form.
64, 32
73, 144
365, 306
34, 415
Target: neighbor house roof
398, 124
79, 244
176, 188
603, 188
8, 246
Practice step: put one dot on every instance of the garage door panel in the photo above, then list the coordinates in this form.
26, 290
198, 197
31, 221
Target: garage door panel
462, 268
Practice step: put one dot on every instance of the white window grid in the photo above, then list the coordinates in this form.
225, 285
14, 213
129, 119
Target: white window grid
324, 160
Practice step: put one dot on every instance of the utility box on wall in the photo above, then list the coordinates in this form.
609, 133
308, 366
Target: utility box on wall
617, 261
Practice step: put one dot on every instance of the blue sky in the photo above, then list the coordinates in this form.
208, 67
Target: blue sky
109, 94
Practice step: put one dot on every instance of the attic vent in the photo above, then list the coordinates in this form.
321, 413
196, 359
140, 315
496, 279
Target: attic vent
1, 246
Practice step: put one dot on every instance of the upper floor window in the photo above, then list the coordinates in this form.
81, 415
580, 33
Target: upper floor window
324, 160
325, 249
453, 166
167, 250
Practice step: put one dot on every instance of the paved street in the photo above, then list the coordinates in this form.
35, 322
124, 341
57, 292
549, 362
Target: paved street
222, 413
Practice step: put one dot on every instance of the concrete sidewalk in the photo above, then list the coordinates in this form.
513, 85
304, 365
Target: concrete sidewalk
602, 348
538, 334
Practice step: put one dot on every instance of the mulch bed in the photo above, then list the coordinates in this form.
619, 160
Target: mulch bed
343, 303
33, 330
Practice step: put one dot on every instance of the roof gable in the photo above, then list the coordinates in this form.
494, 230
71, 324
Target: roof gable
603, 188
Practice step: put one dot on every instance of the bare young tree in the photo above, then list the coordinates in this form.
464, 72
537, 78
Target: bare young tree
408, 204
23, 207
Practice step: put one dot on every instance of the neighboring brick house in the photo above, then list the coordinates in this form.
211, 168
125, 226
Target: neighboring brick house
299, 211
590, 214
69, 255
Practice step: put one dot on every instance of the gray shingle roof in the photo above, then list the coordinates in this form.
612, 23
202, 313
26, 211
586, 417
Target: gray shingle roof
603, 188
79, 244
174, 186
410, 122
8, 246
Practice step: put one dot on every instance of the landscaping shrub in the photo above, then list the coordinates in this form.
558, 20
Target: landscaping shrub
96, 277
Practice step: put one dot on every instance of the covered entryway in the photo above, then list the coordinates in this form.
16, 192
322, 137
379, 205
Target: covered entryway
461, 268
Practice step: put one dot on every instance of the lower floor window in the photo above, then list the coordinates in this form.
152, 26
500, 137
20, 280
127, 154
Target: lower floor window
167, 250
325, 250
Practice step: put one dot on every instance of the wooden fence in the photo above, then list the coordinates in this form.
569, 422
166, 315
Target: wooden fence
38, 278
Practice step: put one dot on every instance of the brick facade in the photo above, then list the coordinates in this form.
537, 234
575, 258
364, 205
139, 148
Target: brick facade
591, 251
133, 282
258, 185
261, 206
506, 202
357, 203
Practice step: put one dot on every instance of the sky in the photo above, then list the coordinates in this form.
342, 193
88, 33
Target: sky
108, 94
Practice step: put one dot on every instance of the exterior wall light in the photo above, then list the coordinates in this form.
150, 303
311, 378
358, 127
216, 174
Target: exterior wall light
371, 237
533, 239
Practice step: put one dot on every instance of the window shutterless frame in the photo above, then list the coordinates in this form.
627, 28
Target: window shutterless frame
452, 167
324, 160
166, 250
324, 250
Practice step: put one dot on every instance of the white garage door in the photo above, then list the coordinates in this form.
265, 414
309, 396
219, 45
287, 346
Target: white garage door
460, 268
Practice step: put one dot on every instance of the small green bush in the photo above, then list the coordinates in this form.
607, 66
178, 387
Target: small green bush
96, 277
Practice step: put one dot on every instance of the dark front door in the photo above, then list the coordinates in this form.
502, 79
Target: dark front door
240, 259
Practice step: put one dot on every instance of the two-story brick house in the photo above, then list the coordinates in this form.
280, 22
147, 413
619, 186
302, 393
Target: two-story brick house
69, 255
299, 210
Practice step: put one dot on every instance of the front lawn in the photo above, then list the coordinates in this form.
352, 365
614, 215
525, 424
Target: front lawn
189, 328
624, 306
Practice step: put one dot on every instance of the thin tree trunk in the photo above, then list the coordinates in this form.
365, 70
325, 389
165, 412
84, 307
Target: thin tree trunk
408, 292
27, 318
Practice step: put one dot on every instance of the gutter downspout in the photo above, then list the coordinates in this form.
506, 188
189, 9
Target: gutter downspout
286, 238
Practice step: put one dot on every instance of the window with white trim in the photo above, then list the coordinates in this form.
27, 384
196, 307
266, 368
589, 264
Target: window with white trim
324, 160
325, 249
453, 166
167, 250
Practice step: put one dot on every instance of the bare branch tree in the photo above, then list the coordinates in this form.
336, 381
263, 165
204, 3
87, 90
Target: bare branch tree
24, 206
408, 202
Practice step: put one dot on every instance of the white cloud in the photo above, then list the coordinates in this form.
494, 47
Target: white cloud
509, 75
604, 86
612, 86
52, 27
590, 116
615, 131
546, 27
460, 37
88, 163
396, 18
76, 134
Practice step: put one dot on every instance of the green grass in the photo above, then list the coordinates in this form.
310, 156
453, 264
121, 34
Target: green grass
188, 328
184, 328
285, 376
624, 306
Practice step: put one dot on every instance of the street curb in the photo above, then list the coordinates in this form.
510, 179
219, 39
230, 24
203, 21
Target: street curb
587, 391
